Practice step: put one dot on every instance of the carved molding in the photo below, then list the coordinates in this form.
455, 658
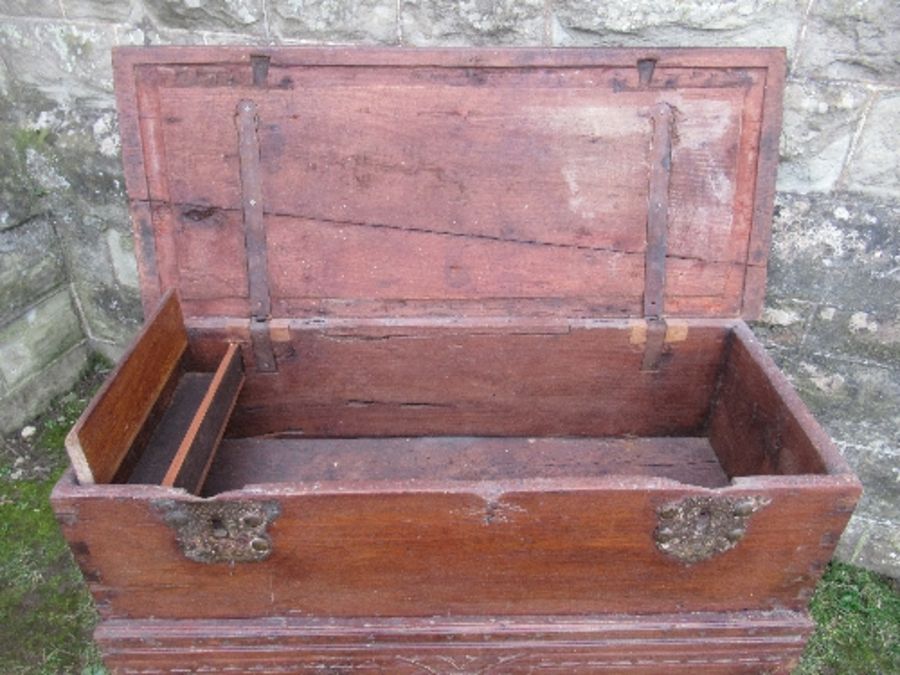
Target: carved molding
221, 531
698, 528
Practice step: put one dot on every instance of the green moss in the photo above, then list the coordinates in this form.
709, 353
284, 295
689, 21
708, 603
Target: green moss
45, 610
857, 617
30, 138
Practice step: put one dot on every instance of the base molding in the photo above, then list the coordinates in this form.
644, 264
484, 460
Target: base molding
738, 642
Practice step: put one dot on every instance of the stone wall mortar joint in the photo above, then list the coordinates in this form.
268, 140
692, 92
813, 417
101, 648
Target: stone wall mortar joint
842, 179
267, 28
79, 309
28, 380
8, 320
801, 35
56, 20
869, 85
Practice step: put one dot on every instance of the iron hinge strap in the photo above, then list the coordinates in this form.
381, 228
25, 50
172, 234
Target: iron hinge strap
657, 227
247, 121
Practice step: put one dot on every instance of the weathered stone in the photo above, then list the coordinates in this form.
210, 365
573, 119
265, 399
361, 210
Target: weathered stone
852, 40
856, 402
113, 351
871, 543
103, 277
868, 336
875, 165
45, 8
472, 22
121, 255
32, 396
335, 20
64, 61
878, 467
652, 23
30, 266
145, 33
840, 251
72, 162
38, 337
240, 16
784, 321
819, 122
5, 79
21, 197
102, 10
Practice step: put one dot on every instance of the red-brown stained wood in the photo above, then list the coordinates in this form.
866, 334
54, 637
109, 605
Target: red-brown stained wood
759, 425
198, 446
764, 197
103, 435
513, 165
746, 642
562, 546
540, 380
167, 431
460, 415
248, 461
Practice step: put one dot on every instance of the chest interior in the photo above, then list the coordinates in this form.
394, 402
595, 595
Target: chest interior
390, 269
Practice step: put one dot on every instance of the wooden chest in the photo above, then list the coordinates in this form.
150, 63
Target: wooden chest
446, 370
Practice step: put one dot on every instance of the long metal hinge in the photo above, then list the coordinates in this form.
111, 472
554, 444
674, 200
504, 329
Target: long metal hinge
657, 226
247, 120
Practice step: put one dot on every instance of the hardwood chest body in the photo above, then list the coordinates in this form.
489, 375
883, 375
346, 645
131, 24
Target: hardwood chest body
445, 370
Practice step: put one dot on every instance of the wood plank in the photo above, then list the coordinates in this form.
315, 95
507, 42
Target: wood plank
149, 428
409, 379
198, 447
733, 642
246, 461
283, 55
564, 546
764, 197
314, 259
171, 428
759, 425
102, 436
489, 147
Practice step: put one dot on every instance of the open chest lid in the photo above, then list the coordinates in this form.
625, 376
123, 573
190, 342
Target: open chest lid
304, 182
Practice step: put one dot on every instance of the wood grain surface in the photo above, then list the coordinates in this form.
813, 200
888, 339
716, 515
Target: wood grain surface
201, 439
541, 378
487, 302
393, 461
105, 432
529, 546
739, 642
497, 175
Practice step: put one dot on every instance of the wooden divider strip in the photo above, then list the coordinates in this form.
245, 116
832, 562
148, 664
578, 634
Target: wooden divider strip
195, 454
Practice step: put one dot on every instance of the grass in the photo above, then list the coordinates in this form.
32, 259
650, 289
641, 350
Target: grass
46, 615
857, 617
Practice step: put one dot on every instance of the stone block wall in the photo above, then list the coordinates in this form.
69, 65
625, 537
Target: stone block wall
67, 271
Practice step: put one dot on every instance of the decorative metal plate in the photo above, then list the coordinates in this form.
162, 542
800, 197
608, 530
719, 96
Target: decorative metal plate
221, 531
698, 528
